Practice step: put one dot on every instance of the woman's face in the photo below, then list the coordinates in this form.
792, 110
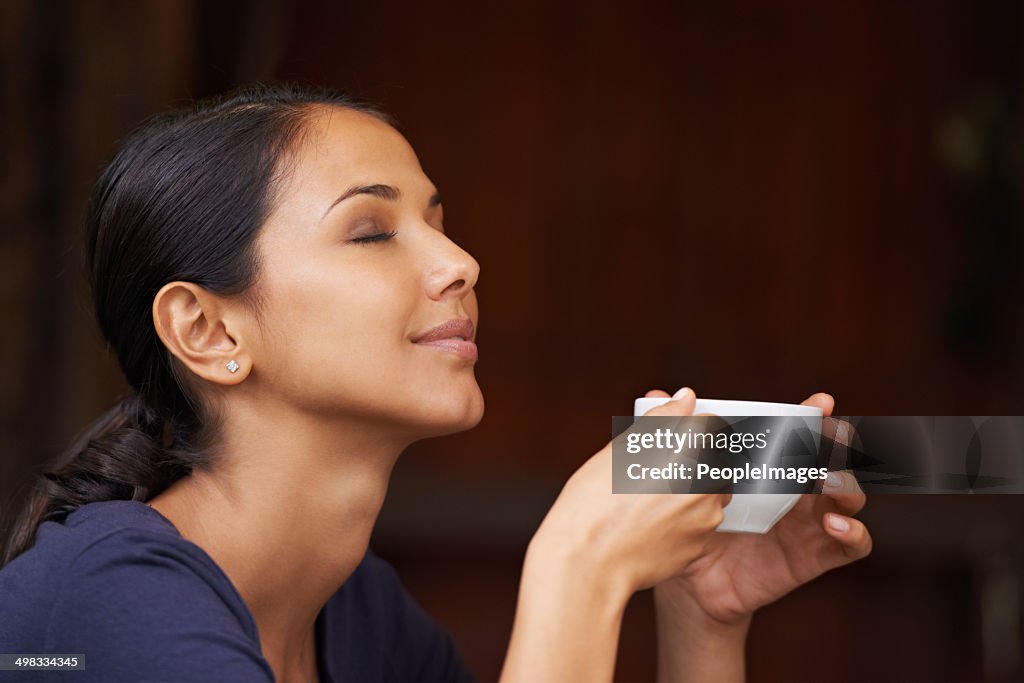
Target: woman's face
355, 267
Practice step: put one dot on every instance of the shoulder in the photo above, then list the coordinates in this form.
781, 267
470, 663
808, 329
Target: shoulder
140, 602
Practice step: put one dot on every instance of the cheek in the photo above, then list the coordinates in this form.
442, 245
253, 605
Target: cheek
341, 330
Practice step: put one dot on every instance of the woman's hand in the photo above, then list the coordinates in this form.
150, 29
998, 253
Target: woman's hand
634, 540
591, 553
738, 573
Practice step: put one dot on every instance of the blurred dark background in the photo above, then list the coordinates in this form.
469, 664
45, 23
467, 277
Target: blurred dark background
759, 200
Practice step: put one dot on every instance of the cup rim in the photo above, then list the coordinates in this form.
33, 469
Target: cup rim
762, 408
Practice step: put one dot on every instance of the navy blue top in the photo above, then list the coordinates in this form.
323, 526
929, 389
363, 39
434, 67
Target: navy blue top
118, 584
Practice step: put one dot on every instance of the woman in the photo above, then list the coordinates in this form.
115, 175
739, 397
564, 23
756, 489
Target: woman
272, 272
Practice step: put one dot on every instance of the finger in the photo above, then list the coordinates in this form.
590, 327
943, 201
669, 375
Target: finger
683, 402
845, 432
838, 431
656, 392
851, 534
842, 488
679, 405
821, 400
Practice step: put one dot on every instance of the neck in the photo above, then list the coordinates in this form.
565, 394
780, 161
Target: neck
286, 511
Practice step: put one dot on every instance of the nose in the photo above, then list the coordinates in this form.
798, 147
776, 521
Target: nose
453, 273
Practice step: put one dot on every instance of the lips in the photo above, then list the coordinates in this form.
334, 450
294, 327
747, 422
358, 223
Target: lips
454, 336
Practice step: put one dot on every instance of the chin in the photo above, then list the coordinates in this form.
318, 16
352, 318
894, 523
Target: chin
455, 419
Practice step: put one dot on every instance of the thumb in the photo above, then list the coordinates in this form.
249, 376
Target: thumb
683, 402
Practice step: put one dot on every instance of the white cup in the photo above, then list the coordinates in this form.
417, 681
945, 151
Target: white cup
754, 513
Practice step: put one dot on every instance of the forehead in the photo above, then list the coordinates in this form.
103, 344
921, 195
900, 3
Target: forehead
344, 139
340, 148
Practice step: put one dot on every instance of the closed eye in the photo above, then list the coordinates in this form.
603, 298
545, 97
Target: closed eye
376, 237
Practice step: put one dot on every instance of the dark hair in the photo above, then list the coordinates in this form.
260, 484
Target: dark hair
183, 199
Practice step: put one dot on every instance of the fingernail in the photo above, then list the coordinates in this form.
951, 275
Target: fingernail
839, 524
685, 392
840, 431
834, 479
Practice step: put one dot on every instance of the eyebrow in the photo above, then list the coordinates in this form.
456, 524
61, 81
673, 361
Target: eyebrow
380, 191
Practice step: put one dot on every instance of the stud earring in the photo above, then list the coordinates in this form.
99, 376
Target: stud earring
232, 366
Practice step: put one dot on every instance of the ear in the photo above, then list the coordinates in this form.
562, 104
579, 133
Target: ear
200, 329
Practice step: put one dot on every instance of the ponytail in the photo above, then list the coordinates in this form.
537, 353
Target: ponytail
183, 200
121, 456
